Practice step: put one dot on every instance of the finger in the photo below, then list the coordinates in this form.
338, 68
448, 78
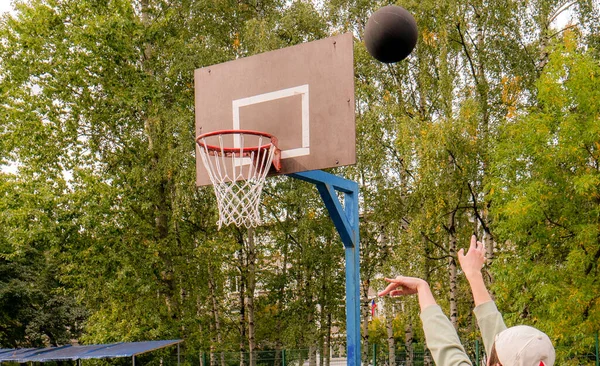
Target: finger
461, 253
397, 293
473, 242
394, 283
384, 292
389, 288
394, 280
481, 248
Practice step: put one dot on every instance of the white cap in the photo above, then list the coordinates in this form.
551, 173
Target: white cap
524, 346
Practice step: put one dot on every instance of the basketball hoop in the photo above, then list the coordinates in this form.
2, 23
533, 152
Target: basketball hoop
238, 162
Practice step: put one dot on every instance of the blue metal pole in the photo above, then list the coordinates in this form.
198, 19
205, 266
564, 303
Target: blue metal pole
353, 278
346, 220
352, 307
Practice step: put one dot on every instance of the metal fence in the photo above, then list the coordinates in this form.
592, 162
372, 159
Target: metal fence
301, 358
263, 358
379, 356
417, 355
587, 355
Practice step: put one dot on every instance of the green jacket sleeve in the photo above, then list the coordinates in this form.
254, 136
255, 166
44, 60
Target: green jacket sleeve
490, 323
442, 339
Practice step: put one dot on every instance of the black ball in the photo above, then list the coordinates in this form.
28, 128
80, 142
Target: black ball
391, 34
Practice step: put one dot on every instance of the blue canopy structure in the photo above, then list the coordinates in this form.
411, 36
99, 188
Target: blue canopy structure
74, 353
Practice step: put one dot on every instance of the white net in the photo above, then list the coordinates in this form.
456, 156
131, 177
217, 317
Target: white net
238, 175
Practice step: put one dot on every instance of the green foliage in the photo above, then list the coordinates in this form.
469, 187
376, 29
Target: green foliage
377, 331
547, 189
491, 126
35, 306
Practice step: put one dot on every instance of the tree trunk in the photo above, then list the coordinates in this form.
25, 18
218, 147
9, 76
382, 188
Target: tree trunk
312, 354
452, 270
250, 296
312, 347
321, 332
489, 243
389, 320
200, 329
408, 342
364, 313
427, 361
242, 295
215, 315
161, 204
280, 305
278, 360
327, 350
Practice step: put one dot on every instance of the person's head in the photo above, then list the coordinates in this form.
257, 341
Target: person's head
522, 346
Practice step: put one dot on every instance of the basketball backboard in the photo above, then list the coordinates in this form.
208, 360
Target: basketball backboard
303, 95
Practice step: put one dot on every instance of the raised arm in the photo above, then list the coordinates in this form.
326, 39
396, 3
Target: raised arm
471, 264
440, 335
488, 317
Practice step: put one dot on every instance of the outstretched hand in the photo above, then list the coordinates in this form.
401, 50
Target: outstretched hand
473, 261
402, 286
408, 286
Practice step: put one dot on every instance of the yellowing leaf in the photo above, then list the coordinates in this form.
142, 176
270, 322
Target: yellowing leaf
236, 41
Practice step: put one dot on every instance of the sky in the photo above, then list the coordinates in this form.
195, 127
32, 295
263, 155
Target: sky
5, 5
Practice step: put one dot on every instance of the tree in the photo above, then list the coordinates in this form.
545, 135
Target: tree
463, 136
36, 307
547, 190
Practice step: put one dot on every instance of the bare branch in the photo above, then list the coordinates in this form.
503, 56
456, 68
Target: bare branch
398, 158
560, 10
594, 158
562, 30
434, 243
557, 224
476, 211
439, 258
464, 44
